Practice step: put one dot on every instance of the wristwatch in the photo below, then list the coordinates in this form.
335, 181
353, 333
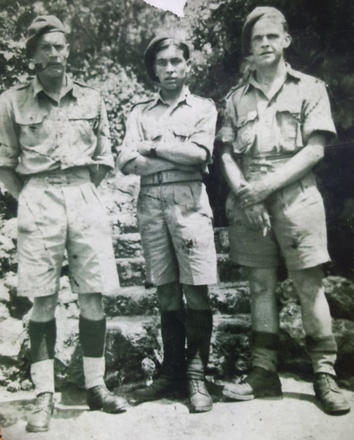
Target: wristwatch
153, 152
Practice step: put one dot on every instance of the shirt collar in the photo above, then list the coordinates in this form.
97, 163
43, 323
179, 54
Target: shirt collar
252, 81
185, 97
38, 87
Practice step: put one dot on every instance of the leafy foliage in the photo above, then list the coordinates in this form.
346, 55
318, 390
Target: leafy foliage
108, 38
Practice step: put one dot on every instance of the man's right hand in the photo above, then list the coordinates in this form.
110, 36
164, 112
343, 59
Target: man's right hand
259, 217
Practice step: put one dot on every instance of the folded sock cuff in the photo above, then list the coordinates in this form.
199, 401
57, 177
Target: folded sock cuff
325, 344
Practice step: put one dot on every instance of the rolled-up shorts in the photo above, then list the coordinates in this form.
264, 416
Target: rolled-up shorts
175, 222
57, 212
298, 229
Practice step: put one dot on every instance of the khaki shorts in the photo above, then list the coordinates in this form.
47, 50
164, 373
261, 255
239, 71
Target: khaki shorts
298, 230
57, 212
175, 222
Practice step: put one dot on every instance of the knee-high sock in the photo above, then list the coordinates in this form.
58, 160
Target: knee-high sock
42, 337
92, 338
173, 339
199, 325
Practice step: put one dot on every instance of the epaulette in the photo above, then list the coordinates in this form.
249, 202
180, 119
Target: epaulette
142, 102
203, 98
83, 84
22, 85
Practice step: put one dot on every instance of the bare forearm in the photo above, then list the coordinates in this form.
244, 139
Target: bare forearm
11, 180
183, 153
232, 172
293, 170
144, 165
296, 167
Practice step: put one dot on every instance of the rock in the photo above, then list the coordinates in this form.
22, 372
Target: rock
128, 245
4, 293
66, 297
11, 331
229, 271
230, 345
131, 271
340, 295
339, 292
9, 372
4, 312
230, 298
119, 194
13, 387
135, 300
344, 332
26, 385
130, 340
222, 240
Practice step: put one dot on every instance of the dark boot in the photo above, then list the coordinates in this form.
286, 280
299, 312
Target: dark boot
39, 419
330, 395
199, 326
259, 383
172, 374
99, 397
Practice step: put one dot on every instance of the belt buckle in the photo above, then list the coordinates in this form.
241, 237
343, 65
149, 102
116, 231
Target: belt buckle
159, 177
56, 180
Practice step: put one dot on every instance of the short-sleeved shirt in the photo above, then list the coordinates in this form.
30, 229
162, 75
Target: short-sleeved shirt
191, 119
39, 134
279, 125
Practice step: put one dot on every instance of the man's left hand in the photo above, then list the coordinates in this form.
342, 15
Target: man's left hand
254, 192
144, 148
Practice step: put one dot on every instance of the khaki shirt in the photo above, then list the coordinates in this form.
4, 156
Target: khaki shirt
280, 125
191, 119
38, 134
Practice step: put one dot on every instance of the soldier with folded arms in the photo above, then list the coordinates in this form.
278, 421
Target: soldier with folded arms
275, 129
54, 151
169, 142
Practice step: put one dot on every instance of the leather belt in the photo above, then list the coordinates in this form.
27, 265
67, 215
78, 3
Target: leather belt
171, 176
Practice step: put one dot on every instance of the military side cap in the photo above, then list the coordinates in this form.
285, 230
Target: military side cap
258, 13
150, 51
40, 26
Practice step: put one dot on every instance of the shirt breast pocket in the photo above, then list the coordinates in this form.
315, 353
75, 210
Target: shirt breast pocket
33, 129
182, 133
246, 132
83, 126
289, 123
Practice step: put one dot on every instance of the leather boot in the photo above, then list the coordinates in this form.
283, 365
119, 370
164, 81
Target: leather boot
330, 395
259, 383
39, 419
172, 375
98, 397
198, 328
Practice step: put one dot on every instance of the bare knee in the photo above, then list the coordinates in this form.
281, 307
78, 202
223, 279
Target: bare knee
308, 283
91, 306
170, 297
197, 297
262, 282
44, 308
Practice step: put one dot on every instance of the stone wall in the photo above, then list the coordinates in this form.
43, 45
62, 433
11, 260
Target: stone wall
133, 347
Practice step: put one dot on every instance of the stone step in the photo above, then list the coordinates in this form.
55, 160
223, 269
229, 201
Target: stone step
128, 245
132, 270
227, 298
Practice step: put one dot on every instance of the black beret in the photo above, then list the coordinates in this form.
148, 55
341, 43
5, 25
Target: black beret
150, 52
40, 26
253, 17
